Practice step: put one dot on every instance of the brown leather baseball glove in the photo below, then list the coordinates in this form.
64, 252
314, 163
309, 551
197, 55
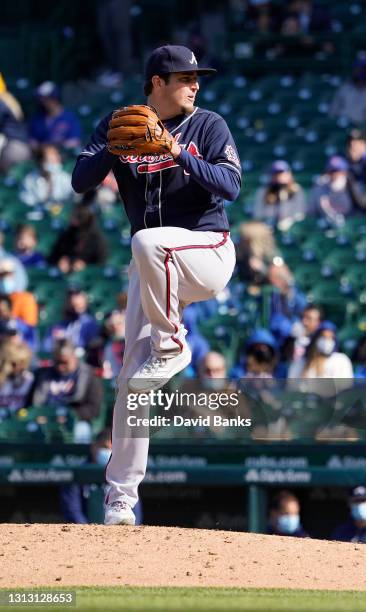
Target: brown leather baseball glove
137, 130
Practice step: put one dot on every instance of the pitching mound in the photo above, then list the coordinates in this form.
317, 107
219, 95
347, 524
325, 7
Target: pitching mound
74, 555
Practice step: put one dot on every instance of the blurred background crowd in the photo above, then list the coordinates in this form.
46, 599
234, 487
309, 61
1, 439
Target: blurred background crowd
292, 87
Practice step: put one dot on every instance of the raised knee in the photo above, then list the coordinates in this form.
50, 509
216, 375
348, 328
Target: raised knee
143, 244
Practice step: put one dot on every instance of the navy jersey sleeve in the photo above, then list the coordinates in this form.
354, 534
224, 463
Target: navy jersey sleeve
95, 161
219, 171
219, 146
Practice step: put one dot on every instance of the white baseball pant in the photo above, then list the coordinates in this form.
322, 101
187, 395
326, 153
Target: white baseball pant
171, 267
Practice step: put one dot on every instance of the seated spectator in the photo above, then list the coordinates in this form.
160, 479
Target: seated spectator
79, 244
53, 124
69, 383
262, 16
312, 17
322, 360
15, 328
350, 99
354, 529
212, 371
15, 377
14, 147
26, 245
200, 397
197, 343
331, 196
311, 318
255, 252
24, 307
49, 183
356, 155
77, 324
284, 518
261, 355
282, 201
13, 282
286, 301
13, 277
106, 350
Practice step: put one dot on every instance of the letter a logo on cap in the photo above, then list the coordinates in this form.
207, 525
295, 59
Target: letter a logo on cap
193, 59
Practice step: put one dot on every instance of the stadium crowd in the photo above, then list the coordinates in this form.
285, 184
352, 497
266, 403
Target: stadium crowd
299, 342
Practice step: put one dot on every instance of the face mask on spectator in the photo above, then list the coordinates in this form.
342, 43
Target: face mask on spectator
339, 183
102, 456
288, 523
325, 346
7, 285
51, 167
213, 384
358, 511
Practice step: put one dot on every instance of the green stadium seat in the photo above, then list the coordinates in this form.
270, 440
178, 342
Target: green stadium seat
348, 338
306, 275
340, 259
350, 410
306, 414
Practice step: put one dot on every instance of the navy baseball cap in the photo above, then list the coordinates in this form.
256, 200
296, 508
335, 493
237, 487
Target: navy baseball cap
327, 326
262, 336
280, 166
173, 58
48, 89
359, 493
336, 164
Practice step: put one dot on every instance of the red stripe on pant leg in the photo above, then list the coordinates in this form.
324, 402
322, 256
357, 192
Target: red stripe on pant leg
166, 264
202, 246
167, 273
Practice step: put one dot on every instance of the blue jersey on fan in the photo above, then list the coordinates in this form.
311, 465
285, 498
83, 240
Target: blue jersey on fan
188, 191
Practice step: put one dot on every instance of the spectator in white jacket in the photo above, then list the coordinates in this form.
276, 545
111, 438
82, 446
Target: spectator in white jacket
49, 183
322, 360
282, 201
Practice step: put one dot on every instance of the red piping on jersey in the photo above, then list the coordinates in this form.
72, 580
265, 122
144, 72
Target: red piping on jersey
168, 257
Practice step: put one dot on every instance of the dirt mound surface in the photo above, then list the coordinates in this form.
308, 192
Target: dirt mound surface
55, 555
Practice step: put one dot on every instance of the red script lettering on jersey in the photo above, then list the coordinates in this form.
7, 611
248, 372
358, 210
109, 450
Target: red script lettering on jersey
154, 163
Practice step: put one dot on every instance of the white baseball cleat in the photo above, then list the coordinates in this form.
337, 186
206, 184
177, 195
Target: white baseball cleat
119, 513
156, 371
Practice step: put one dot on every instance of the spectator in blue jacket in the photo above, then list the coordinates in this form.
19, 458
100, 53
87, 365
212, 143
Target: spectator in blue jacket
356, 155
354, 529
284, 518
53, 124
77, 324
260, 357
196, 341
26, 247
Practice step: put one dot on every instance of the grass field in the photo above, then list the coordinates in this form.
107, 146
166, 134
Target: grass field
208, 599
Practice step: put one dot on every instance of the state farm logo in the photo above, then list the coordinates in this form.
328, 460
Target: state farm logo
147, 164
